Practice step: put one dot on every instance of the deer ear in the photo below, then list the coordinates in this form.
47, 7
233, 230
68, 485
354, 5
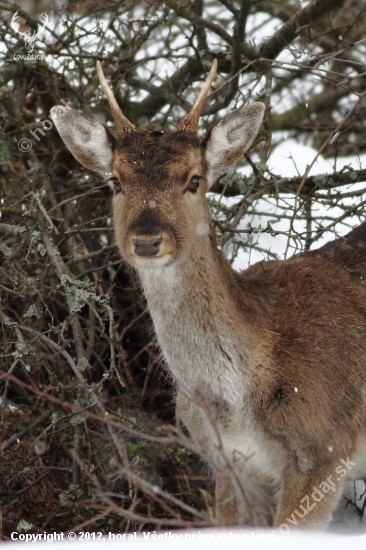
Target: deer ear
229, 139
89, 142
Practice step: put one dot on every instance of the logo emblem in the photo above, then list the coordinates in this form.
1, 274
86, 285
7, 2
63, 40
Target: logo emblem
28, 36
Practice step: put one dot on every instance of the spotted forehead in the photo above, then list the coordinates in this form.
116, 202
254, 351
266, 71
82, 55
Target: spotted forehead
157, 157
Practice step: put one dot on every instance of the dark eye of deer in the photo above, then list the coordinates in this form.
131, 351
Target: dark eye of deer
115, 185
193, 184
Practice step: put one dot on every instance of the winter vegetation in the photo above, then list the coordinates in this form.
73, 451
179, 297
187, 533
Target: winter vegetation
88, 435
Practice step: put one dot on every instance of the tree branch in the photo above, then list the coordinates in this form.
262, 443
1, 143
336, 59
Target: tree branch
289, 31
290, 185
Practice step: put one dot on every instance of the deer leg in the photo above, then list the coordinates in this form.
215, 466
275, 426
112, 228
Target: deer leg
243, 502
308, 499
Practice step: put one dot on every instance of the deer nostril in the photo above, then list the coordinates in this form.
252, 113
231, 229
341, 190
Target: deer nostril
146, 247
156, 241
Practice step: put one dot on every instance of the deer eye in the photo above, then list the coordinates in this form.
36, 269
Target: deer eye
115, 185
193, 184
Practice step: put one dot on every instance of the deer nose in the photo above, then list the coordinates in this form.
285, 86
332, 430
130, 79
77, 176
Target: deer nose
146, 247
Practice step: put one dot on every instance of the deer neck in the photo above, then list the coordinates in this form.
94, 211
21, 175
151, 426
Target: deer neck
200, 323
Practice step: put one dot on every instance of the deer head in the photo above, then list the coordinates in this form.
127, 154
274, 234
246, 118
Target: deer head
159, 181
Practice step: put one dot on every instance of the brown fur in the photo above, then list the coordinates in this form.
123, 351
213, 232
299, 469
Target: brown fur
270, 364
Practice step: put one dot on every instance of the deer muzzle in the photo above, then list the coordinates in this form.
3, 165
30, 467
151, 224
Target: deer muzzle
147, 246
149, 243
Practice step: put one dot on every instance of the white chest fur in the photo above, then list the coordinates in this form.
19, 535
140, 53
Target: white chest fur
199, 349
253, 455
208, 361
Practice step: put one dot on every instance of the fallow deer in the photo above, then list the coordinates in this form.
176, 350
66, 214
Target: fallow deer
270, 363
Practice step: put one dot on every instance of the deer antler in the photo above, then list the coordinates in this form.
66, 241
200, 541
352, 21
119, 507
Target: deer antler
14, 22
123, 125
190, 121
16, 25
45, 21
